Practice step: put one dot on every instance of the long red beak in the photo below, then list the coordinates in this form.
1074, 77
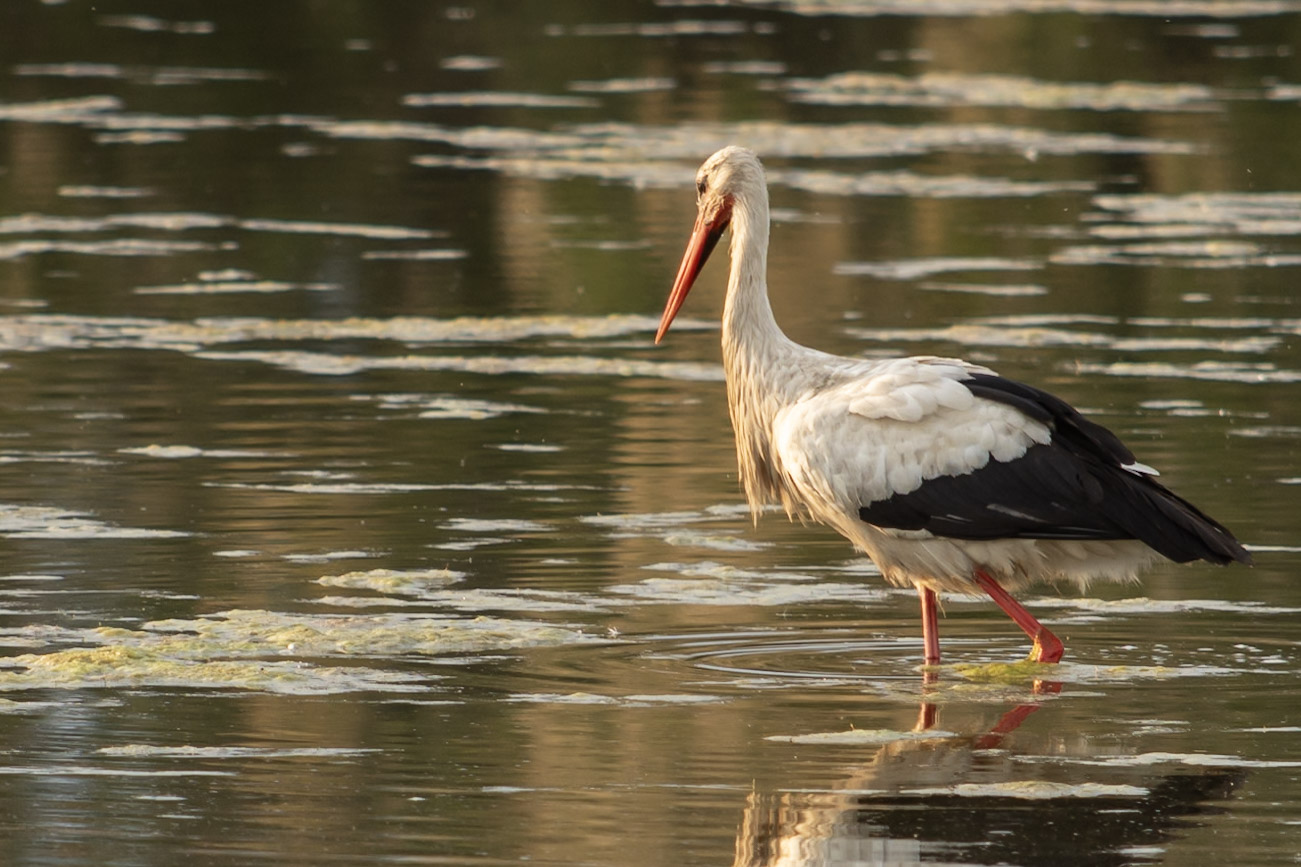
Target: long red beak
704, 237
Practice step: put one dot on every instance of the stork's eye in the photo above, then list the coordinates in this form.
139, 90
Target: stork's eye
701, 186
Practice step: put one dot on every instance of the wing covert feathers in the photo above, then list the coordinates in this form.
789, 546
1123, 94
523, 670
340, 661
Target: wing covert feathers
1083, 483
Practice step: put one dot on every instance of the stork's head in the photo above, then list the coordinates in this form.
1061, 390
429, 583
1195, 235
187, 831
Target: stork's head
731, 172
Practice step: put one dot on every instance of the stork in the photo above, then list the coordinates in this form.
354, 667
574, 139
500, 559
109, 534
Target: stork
951, 478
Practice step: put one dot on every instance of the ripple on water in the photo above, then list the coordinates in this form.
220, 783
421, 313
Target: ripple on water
168, 76
1165, 9
152, 24
446, 406
470, 63
188, 220
70, 331
325, 364
47, 522
710, 583
433, 587
1021, 290
1143, 605
1177, 254
189, 751
82, 191
117, 247
648, 84
409, 582
1032, 790
1205, 760
656, 30
952, 88
911, 269
46, 332
657, 156
234, 287
496, 99
181, 452
863, 737
639, 700
432, 254
1214, 371
984, 334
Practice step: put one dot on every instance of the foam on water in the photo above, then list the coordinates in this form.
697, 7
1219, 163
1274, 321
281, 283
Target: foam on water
963, 89
747, 591
232, 287
654, 156
863, 737
181, 452
141, 75
1205, 760
642, 700
911, 269
152, 24
1031, 790
119, 247
1020, 290
650, 84
189, 220
324, 364
976, 334
409, 582
1216, 254
477, 601
189, 751
1164, 9
46, 522
495, 525
446, 406
1247, 374
1143, 605
47, 332
496, 99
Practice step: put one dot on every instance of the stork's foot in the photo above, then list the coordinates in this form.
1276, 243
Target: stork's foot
1047, 647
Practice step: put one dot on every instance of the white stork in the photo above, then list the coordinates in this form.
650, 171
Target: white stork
950, 477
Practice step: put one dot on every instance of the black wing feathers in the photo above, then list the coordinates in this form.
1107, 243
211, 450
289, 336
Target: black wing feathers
1074, 487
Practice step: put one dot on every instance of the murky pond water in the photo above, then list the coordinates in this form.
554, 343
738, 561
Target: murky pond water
349, 515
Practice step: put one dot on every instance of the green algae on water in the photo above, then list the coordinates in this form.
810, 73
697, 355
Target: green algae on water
122, 666
1007, 672
272, 651
412, 582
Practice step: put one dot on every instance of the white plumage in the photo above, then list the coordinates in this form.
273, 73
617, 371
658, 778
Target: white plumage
949, 477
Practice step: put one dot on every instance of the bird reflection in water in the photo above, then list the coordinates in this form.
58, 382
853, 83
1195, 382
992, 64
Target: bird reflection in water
967, 800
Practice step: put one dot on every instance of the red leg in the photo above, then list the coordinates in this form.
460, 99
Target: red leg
1047, 647
930, 625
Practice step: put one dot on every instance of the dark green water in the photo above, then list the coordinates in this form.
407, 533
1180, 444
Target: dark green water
350, 516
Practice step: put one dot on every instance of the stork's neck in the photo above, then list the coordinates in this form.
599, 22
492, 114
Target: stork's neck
752, 340
764, 367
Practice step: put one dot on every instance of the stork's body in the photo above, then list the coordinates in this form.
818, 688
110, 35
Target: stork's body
948, 476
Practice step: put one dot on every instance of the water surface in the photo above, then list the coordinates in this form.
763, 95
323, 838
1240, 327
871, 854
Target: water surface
350, 515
